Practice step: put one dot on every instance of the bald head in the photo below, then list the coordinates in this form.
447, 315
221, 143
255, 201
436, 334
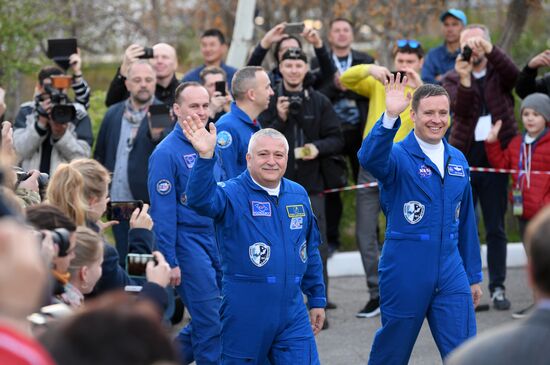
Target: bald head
165, 61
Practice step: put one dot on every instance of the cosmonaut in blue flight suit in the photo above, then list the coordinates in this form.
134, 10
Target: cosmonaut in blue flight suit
187, 240
430, 264
234, 131
269, 252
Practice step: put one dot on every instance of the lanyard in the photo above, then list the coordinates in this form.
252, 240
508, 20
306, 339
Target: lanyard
526, 152
341, 68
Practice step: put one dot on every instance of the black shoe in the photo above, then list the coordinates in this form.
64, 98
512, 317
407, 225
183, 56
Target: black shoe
499, 299
523, 312
331, 305
325, 324
372, 309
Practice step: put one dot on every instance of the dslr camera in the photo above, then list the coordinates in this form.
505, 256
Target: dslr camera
295, 100
23, 175
61, 238
63, 111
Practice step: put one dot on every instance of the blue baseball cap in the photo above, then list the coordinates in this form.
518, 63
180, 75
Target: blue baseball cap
455, 13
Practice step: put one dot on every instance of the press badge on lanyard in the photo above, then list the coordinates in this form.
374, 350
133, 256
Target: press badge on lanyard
517, 199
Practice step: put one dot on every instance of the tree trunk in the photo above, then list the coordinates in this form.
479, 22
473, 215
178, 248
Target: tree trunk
516, 18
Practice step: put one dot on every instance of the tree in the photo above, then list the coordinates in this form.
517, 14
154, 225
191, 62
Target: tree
516, 19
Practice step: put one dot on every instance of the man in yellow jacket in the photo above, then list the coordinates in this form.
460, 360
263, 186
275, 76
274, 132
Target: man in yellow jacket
368, 80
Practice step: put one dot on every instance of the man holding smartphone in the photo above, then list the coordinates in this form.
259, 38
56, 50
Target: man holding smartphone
214, 79
186, 238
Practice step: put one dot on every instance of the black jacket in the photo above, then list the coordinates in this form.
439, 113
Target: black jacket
334, 94
117, 91
528, 83
316, 123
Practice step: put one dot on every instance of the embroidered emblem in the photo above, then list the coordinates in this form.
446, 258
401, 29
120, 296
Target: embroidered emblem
303, 252
424, 171
261, 209
413, 211
259, 253
224, 139
164, 187
295, 211
296, 223
190, 160
455, 170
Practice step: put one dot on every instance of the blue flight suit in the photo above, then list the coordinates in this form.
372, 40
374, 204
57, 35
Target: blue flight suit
269, 254
234, 131
187, 240
431, 253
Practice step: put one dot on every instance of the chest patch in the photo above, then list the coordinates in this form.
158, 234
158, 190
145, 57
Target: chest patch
296, 223
413, 211
303, 252
164, 186
295, 211
259, 253
261, 209
224, 139
455, 170
424, 171
190, 160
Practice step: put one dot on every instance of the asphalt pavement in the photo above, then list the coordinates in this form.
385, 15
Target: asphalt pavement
348, 339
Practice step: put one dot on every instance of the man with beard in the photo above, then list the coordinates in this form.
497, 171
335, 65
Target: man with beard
125, 141
481, 94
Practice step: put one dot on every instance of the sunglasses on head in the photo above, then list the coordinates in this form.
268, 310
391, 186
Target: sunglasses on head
412, 43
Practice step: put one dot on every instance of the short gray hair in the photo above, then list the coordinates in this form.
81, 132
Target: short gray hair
140, 62
244, 80
483, 27
267, 132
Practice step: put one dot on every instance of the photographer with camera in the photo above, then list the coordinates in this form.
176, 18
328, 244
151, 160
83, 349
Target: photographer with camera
51, 130
164, 60
481, 88
310, 124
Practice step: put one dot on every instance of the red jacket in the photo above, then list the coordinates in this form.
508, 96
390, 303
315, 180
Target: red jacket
537, 195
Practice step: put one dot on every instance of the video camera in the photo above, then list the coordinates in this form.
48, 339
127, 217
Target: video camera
63, 111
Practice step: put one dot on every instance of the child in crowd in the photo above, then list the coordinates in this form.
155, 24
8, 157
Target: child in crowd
526, 153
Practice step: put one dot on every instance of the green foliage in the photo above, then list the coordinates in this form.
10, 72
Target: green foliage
97, 110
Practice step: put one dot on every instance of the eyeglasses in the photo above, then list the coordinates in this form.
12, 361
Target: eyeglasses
412, 43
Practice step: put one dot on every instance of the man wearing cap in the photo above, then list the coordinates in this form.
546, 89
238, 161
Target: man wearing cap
441, 59
368, 80
251, 89
310, 124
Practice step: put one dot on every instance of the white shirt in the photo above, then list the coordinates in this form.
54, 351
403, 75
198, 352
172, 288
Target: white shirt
273, 192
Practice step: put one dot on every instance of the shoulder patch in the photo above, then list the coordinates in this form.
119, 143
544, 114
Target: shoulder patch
164, 186
224, 139
296, 223
261, 209
303, 252
190, 160
259, 253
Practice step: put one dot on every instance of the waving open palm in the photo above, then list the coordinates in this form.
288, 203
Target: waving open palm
396, 100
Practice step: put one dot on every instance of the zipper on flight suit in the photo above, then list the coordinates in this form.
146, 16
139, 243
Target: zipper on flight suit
442, 186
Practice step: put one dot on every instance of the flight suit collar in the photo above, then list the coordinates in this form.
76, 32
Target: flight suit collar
411, 146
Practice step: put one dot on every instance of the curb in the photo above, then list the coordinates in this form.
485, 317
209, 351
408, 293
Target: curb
349, 263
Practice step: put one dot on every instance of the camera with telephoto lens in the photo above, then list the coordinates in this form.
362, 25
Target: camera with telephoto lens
23, 175
63, 111
61, 238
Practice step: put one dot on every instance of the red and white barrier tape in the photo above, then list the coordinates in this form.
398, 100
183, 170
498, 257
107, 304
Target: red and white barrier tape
476, 169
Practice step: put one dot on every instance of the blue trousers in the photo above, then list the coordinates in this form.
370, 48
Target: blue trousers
418, 282
198, 258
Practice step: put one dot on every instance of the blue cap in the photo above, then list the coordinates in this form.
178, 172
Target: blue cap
455, 13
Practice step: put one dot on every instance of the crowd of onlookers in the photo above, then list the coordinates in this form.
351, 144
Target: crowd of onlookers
56, 258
